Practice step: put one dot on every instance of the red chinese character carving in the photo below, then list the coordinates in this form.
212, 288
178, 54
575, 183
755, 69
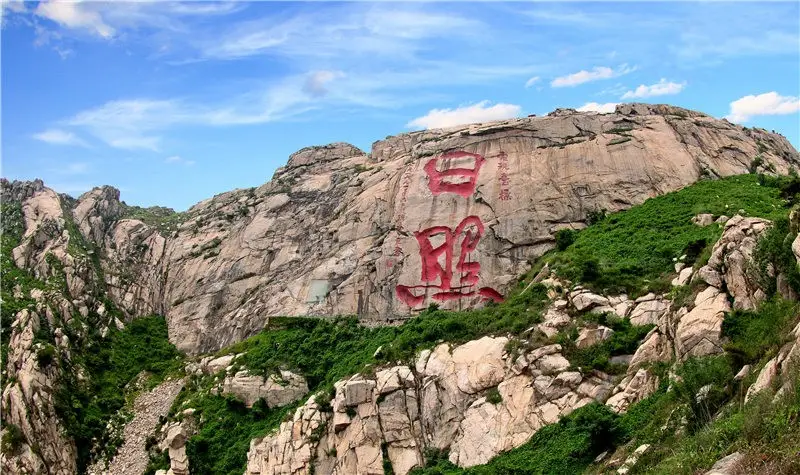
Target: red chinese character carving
505, 194
461, 181
437, 265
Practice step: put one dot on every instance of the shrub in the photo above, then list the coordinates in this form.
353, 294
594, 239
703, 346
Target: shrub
753, 334
634, 249
493, 396
773, 255
564, 238
46, 355
12, 439
712, 375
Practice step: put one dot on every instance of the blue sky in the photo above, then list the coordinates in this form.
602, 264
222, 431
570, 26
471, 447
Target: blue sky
175, 102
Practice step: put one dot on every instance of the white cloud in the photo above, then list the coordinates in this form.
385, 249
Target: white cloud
606, 108
661, 88
770, 103
317, 81
597, 73
60, 137
75, 15
480, 112
353, 30
530, 82
179, 160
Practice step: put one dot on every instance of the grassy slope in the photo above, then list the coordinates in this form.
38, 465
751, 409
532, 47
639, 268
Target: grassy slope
636, 248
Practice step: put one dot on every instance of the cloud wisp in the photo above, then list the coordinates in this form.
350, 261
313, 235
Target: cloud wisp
479, 112
595, 74
60, 137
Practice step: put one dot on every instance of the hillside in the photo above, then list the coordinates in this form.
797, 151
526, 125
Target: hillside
642, 274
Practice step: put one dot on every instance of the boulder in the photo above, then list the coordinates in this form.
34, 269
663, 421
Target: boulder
274, 389
728, 465
703, 220
699, 331
592, 336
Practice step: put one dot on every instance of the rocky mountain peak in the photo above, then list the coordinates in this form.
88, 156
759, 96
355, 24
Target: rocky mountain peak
449, 216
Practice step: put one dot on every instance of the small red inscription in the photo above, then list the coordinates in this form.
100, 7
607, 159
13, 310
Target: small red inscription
502, 168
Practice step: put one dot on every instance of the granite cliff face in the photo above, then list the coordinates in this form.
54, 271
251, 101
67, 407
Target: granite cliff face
442, 216
451, 217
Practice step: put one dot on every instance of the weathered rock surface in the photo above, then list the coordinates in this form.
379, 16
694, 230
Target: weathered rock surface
28, 403
699, 331
338, 231
274, 389
728, 465
730, 259
777, 371
441, 403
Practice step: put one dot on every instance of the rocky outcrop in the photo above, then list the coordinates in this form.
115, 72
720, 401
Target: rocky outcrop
148, 410
276, 390
338, 231
777, 372
699, 331
474, 399
29, 400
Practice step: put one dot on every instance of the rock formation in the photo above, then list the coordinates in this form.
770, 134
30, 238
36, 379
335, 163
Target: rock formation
479, 399
448, 216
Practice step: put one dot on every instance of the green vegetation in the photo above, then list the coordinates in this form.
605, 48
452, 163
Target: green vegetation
12, 439
325, 351
753, 334
109, 365
12, 277
623, 341
221, 445
165, 220
568, 446
633, 250
493, 396
773, 255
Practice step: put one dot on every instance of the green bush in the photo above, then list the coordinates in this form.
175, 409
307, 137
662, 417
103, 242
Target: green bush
711, 374
623, 341
223, 439
773, 255
12, 439
46, 355
493, 396
564, 238
752, 334
566, 447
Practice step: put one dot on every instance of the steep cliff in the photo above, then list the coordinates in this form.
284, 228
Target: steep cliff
451, 217
447, 216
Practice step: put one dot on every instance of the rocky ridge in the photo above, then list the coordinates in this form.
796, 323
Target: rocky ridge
337, 231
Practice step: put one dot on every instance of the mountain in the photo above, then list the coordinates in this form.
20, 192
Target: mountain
450, 224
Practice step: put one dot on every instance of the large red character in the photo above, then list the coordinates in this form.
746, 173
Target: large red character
437, 273
459, 180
